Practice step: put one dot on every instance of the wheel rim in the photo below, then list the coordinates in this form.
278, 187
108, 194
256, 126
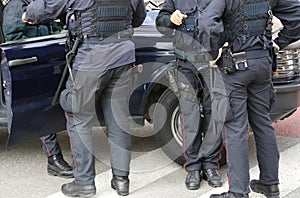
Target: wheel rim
176, 126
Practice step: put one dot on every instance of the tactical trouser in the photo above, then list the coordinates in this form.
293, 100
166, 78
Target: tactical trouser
250, 95
50, 145
78, 100
194, 127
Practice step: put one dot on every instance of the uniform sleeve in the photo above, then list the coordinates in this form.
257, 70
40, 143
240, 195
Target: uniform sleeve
42, 10
210, 26
139, 14
288, 12
163, 23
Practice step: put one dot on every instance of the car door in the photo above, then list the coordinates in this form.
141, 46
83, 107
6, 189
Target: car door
31, 73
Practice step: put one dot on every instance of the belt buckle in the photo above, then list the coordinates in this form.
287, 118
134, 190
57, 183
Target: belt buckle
242, 65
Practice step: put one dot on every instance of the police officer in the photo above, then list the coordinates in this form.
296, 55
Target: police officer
102, 65
193, 78
14, 29
246, 69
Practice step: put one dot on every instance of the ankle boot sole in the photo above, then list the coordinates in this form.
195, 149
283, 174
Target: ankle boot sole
54, 173
204, 177
261, 191
193, 187
121, 193
80, 194
214, 185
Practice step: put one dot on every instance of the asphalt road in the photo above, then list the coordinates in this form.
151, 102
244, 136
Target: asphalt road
23, 167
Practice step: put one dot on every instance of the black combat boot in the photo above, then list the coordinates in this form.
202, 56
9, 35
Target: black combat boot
76, 190
228, 195
120, 184
213, 177
270, 191
193, 180
57, 166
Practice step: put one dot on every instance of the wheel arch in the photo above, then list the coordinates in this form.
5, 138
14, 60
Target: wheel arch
156, 85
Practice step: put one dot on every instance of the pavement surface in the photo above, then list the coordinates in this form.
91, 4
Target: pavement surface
289, 126
153, 175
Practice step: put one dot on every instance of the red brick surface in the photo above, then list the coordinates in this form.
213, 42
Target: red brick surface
289, 126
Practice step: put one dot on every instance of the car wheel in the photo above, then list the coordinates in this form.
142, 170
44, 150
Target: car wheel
167, 126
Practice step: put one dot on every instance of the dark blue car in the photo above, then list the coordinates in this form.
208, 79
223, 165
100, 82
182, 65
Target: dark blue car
32, 76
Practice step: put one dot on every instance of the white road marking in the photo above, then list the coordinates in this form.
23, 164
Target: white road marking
144, 172
289, 175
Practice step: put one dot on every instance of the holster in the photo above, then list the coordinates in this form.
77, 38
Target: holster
231, 62
226, 62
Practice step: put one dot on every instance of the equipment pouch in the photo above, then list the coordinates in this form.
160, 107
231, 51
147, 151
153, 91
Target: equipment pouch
189, 24
226, 62
274, 59
171, 75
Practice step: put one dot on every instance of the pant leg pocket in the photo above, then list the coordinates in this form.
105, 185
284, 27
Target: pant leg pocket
69, 100
221, 108
272, 97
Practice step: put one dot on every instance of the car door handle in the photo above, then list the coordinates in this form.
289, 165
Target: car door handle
22, 61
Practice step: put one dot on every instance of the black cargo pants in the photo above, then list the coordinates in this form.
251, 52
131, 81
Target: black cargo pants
194, 127
248, 96
78, 100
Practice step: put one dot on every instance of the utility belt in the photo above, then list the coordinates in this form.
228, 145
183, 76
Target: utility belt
115, 38
190, 56
230, 62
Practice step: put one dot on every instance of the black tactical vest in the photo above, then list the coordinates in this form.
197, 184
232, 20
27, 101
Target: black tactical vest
105, 18
253, 18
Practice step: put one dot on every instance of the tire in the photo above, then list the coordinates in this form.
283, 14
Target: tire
167, 126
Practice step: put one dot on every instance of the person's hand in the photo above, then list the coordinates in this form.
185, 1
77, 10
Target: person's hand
213, 63
73, 17
25, 21
177, 17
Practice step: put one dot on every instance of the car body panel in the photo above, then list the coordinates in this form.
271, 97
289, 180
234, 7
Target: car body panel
31, 72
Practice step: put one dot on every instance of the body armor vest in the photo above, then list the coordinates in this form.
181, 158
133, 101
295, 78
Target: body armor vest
253, 18
105, 18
